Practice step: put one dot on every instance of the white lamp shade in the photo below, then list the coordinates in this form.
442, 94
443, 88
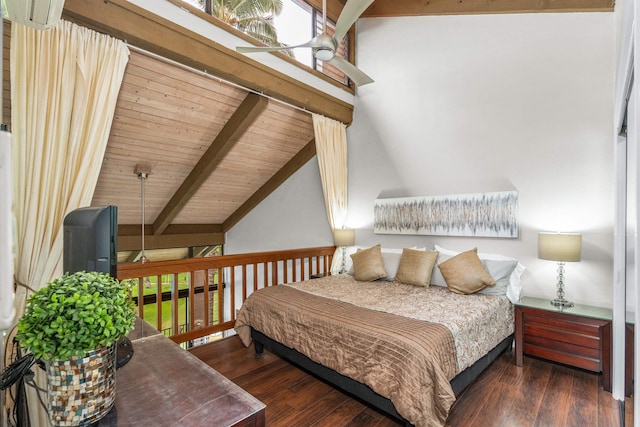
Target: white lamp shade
344, 237
561, 247
40, 14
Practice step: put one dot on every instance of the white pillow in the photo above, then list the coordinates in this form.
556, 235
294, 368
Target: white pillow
391, 263
436, 276
515, 285
500, 270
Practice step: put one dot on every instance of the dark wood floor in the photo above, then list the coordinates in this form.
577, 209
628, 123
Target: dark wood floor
540, 394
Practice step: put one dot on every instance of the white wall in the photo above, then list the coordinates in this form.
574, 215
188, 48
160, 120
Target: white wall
291, 217
466, 104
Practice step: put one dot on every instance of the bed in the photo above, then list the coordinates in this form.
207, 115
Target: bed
405, 349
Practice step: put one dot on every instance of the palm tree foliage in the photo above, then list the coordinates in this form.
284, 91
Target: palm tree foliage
252, 17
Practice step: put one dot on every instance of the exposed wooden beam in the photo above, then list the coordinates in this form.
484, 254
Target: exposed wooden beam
250, 109
165, 241
175, 236
276, 180
193, 228
134, 229
132, 256
202, 251
124, 20
198, 251
387, 8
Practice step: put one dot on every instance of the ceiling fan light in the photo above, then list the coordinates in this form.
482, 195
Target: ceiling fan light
324, 54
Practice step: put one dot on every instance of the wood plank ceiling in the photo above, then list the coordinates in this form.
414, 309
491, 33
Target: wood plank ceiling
216, 150
211, 147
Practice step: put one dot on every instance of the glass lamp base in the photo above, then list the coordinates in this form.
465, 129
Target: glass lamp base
561, 303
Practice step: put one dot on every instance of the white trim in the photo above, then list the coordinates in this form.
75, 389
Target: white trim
619, 269
624, 77
623, 91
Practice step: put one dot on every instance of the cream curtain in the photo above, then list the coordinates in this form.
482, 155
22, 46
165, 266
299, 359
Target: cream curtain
331, 150
64, 86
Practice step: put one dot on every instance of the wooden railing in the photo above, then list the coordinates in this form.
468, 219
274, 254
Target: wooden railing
201, 295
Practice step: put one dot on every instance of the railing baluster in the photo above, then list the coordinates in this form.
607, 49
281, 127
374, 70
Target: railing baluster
255, 277
274, 273
175, 293
159, 302
205, 298
232, 292
295, 270
244, 282
220, 299
192, 300
285, 271
141, 297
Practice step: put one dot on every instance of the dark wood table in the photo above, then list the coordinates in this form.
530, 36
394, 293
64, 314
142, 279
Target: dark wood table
164, 385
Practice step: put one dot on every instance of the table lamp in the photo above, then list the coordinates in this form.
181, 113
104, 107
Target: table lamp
560, 247
344, 237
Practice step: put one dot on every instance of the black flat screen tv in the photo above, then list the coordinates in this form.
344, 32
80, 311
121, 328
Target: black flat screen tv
91, 240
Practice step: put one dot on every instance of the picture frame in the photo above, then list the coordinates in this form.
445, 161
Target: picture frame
492, 214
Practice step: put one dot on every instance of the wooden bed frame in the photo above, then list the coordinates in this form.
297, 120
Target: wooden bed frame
362, 391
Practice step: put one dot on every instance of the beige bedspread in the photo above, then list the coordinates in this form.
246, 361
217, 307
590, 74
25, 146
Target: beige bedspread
477, 322
408, 361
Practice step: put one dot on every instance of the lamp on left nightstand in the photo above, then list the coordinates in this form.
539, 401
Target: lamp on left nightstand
344, 237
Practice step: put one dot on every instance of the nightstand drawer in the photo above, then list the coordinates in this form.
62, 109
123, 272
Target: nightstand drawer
572, 359
562, 346
564, 335
561, 322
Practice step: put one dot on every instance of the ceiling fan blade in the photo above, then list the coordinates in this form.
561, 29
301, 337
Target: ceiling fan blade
251, 49
356, 76
350, 13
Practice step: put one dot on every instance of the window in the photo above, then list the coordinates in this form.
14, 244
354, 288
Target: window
293, 26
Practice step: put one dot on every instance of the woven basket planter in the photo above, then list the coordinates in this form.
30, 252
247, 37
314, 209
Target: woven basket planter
82, 389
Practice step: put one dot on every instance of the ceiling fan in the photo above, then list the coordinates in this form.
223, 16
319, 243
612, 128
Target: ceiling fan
324, 46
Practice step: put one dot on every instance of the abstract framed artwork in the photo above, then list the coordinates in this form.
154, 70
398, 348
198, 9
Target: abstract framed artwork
492, 214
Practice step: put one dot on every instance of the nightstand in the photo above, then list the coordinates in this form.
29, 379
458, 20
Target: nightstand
578, 336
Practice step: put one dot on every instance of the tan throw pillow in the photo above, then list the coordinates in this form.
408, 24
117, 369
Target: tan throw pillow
465, 274
368, 264
416, 266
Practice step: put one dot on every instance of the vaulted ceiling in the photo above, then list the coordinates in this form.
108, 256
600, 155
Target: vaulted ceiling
217, 150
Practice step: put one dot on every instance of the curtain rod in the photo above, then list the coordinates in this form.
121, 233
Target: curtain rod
205, 74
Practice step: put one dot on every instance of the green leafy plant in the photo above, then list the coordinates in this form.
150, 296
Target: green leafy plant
74, 314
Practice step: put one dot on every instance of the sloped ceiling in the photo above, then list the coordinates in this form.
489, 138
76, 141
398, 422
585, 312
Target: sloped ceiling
210, 147
215, 147
216, 150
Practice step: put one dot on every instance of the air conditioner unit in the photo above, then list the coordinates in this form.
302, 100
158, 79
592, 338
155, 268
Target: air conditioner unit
40, 14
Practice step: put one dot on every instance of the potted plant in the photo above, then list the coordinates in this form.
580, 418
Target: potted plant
72, 325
